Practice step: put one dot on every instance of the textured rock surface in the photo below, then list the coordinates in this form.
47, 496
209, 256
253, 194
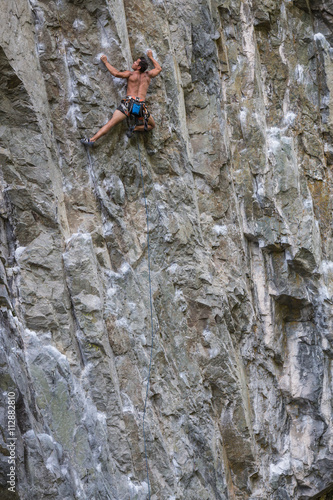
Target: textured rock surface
238, 177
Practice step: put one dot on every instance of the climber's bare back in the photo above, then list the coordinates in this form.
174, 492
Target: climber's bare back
138, 84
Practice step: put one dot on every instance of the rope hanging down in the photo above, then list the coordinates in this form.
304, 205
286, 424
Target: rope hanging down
151, 316
92, 173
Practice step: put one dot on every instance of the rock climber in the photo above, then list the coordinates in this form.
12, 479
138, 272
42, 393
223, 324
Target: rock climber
134, 103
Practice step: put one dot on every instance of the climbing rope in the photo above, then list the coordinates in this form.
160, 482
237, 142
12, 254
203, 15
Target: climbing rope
92, 173
151, 316
94, 183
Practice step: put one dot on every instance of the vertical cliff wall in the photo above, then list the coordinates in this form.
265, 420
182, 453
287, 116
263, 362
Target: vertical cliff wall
238, 176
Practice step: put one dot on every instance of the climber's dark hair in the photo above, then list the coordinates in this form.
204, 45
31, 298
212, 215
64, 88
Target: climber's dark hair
143, 64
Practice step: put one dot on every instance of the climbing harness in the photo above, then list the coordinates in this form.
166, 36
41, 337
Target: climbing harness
151, 317
134, 107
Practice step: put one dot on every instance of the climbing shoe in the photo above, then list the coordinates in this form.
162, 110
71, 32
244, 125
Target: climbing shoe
87, 142
130, 131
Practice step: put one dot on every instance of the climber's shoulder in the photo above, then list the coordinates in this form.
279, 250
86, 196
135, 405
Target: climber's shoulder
136, 75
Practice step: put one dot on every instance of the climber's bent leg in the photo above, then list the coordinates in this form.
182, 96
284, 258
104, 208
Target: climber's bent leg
117, 117
151, 125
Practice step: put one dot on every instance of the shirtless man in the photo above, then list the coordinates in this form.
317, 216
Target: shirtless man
137, 87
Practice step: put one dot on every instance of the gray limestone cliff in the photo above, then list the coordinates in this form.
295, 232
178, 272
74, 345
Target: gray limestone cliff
238, 177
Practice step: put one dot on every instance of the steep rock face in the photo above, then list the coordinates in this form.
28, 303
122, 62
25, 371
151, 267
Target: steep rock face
239, 188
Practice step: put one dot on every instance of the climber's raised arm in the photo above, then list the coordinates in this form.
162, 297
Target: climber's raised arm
114, 71
157, 68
